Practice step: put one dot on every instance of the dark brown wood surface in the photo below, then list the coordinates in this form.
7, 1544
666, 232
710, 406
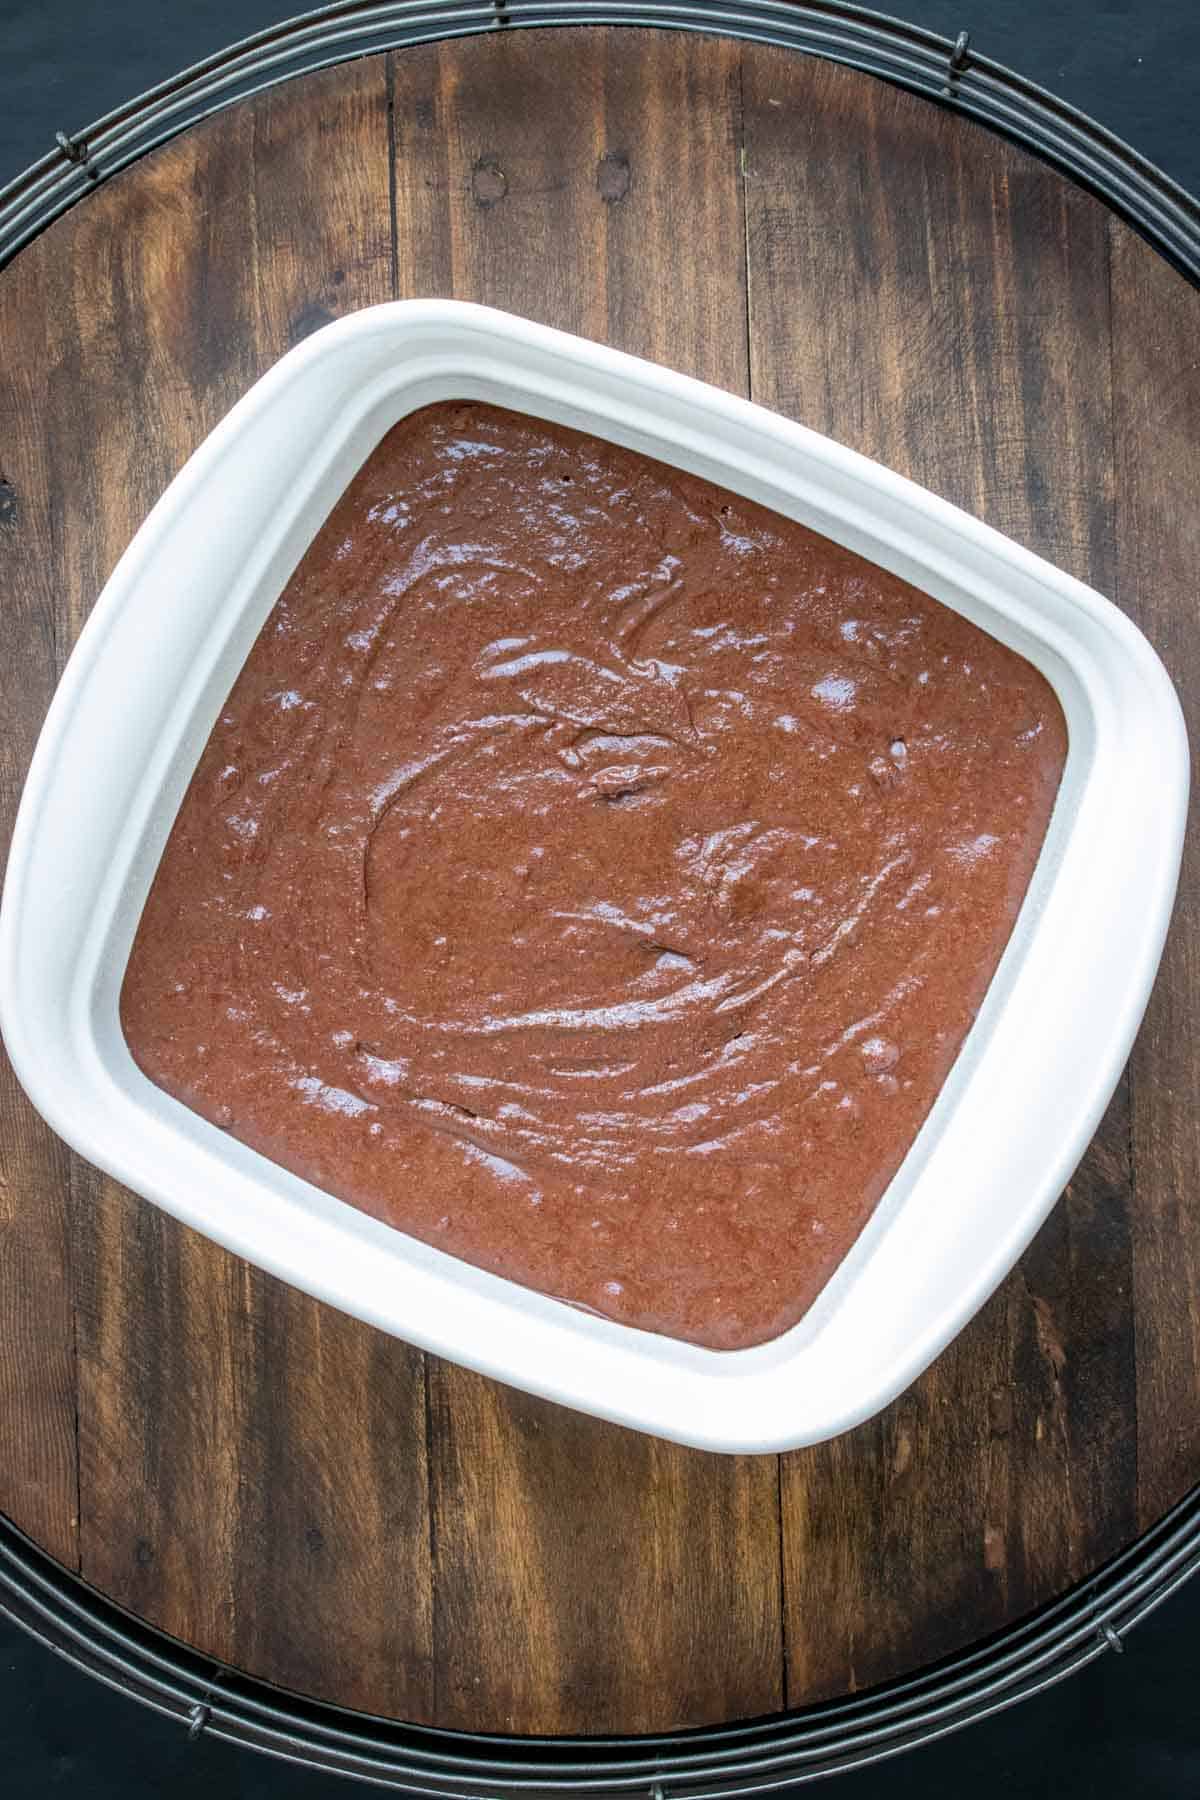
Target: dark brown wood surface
290, 1491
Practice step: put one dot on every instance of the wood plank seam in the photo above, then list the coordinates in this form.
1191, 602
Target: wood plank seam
78, 1174
73, 1204
435, 1686
427, 1396
390, 87
742, 173
1129, 1077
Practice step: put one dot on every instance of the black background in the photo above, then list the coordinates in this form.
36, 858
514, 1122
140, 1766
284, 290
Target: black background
1127, 1725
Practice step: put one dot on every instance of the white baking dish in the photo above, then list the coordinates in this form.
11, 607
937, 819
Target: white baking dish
143, 689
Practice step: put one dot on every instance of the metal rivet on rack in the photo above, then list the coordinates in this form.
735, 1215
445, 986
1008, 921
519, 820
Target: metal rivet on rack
198, 1717
76, 151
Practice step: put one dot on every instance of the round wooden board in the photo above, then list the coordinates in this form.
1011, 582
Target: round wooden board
288, 1490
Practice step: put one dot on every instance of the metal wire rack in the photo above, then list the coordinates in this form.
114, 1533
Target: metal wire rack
951, 73
755, 1758
98, 1637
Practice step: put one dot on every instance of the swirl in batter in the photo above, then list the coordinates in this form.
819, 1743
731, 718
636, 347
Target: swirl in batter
593, 874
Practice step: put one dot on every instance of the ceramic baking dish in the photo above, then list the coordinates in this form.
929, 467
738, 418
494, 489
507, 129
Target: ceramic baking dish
143, 689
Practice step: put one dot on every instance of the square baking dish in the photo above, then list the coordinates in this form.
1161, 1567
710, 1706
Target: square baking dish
143, 689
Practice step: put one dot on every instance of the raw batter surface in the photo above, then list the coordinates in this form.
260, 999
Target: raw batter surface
593, 874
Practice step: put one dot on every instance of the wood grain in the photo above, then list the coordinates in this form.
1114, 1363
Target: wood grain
643, 1581
38, 1473
933, 298
1156, 377
283, 1487
253, 1464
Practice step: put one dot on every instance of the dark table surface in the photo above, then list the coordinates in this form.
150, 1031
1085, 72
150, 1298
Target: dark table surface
1126, 1725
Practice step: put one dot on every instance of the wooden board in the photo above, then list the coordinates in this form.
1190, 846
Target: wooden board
286, 1489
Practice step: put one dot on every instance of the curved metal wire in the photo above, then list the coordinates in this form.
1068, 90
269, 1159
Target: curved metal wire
906, 55
97, 1636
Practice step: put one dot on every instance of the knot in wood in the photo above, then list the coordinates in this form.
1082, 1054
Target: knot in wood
613, 178
310, 318
489, 183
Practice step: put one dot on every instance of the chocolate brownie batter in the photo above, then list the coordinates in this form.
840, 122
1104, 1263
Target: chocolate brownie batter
593, 874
